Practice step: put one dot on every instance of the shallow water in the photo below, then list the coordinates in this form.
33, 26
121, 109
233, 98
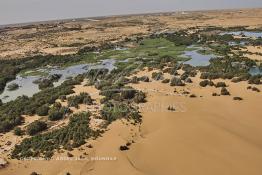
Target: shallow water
28, 88
245, 33
120, 48
197, 59
232, 43
255, 71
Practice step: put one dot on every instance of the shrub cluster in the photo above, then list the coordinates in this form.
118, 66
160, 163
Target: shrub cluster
224, 91
116, 110
68, 137
12, 87
57, 112
176, 82
82, 98
11, 112
157, 76
36, 127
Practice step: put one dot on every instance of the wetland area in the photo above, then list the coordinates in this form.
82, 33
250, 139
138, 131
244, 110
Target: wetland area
144, 99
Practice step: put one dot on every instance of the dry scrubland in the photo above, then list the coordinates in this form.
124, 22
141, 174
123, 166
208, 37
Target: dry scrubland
69, 36
204, 134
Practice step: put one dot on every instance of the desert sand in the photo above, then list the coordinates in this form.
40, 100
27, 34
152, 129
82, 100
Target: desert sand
254, 52
205, 135
68, 36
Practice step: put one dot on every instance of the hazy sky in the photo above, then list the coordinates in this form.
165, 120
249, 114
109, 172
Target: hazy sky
16, 11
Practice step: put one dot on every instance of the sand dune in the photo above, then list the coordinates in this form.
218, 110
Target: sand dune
214, 135
205, 135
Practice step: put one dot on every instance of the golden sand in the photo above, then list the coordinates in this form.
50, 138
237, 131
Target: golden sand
255, 52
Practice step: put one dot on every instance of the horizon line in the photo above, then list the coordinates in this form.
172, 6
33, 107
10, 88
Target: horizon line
27, 23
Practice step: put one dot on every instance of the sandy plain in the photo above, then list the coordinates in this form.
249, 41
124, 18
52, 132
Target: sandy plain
68, 36
205, 135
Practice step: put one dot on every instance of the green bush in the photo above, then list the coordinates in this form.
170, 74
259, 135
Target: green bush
220, 84
11, 112
57, 112
166, 81
176, 82
192, 96
43, 110
83, 98
157, 76
127, 93
140, 97
144, 79
43, 145
238, 98
188, 80
255, 79
12, 87
18, 131
134, 80
36, 127
205, 83
224, 91
45, 83
255, 89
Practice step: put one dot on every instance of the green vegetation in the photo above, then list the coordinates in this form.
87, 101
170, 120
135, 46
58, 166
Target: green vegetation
25, 73
57, 112
255, 79
8, 71
226, 67
224, 91
36, 127
181, 38
83, 98
148, 48
220, 84
157, 76
116, 110
205, 83
255, 89
12, 87
140, 97
238, 98
192, 96
42, 110
176, 82
45, 83
11, 112
158, 51
71, 136
123, 148
165, 81
18, 131
171, 108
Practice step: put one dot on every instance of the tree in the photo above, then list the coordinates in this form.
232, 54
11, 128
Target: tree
13, 87
128, 93
140, 97
43, 110
221, 84
157, 75
224, 91
176, 82
36, 127
18, 131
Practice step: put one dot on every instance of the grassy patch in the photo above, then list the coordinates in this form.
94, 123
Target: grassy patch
148, 48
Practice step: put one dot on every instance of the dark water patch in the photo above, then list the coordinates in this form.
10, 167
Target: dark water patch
28, 87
